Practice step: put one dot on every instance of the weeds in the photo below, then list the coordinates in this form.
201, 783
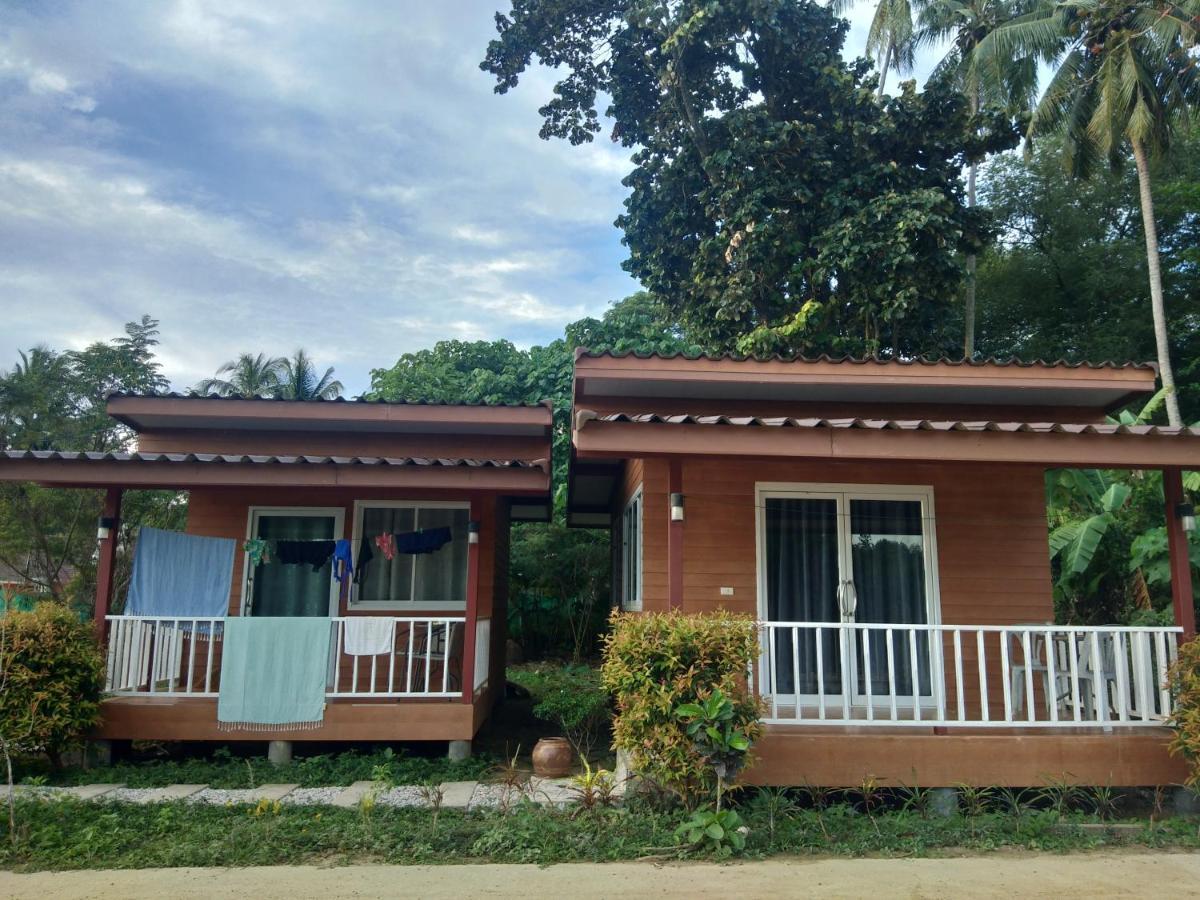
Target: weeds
593, 788
1059, 794
973, 800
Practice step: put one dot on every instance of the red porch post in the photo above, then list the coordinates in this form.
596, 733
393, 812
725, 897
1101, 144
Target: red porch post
470, 628
108, 557
1177, 543
674, 536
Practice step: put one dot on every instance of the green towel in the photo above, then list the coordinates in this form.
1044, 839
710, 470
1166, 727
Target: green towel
273, 673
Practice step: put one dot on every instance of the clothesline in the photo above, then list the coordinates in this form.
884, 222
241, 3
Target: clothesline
317, 552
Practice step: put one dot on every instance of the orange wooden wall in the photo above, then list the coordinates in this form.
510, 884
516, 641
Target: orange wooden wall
993, 562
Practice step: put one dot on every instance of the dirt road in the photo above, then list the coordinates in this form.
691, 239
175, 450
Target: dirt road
1005, 875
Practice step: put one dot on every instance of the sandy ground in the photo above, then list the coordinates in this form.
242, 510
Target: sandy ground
1173, 875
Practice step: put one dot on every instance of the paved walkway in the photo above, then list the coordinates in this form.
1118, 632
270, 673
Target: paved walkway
1000, 875
454, 794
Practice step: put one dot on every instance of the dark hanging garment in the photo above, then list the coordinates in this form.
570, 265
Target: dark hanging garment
365, 555
429, 540
312, 553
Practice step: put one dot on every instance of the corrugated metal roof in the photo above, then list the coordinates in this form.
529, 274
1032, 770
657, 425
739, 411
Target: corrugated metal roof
241, 459
584, 416
997, 362
258, 398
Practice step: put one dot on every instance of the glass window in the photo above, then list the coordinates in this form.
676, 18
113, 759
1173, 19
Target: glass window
420, 579
631, 554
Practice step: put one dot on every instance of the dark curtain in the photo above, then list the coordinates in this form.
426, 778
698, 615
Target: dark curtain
292, 590
887, 551
802, 582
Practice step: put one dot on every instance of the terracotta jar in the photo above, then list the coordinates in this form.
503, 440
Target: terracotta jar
553, 757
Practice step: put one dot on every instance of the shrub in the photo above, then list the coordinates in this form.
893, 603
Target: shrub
51, 675
572, 698
1184, 681
657, 662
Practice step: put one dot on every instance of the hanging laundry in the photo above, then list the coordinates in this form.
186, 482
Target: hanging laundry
387, 546
312, 553
180, 575
343, 561
365, 555
368, 635
259, 550
425, 541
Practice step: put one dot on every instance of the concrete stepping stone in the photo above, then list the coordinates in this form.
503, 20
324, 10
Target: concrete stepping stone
352, 796
272, 791
171, 792
457, 794
552, 791
92, 791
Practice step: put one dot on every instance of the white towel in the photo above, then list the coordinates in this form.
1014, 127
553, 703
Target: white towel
369, 635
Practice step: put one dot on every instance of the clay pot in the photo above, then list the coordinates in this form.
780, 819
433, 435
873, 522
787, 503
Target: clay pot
553, 757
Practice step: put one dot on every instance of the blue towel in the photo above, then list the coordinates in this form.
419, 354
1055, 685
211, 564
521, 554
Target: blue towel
273, 673
180, 575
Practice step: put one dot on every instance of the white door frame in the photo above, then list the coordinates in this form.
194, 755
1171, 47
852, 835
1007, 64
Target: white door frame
253, 513
843, 493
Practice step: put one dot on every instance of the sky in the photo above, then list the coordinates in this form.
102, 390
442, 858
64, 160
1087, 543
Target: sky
262, 175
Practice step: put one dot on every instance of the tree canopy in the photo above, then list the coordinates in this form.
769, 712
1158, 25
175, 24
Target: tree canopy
773, 198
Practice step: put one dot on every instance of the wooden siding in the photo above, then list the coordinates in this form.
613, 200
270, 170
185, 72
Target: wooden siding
224, 512
349, 443
993, 562
792, 755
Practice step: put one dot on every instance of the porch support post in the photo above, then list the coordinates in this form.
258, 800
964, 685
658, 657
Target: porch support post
472, 614
106, 565
674, 537
1177, 543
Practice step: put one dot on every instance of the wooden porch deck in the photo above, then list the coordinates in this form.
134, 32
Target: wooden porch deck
840, 756
181, 718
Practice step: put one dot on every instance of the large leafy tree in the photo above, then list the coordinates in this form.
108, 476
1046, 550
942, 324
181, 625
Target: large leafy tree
1066, 278
961, 25
1125, 76
771, 194
54, 400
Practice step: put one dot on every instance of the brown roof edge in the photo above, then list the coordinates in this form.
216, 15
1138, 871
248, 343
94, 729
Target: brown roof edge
944, 361
129, 409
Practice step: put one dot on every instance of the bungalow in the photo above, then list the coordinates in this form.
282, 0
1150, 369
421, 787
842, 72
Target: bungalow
885, 522
422, 494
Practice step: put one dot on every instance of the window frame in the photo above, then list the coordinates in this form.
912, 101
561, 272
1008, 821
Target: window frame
353, 601
254, 512
631, 562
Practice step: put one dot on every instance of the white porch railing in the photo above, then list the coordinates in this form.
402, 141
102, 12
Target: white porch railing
483, 653
181, 657
1022, 676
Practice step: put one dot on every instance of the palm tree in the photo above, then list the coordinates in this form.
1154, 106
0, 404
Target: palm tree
248, 376
299, 381
1124, 74
890, 37
1011, 84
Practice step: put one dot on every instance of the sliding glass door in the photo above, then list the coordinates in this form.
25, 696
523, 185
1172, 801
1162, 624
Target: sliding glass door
275, 589
832, 554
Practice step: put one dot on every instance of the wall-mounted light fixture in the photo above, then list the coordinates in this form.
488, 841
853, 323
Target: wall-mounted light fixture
1186, 514
676, 507
104, 527
472, 532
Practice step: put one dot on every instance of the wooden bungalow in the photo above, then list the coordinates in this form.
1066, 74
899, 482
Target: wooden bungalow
265, 468
885, 521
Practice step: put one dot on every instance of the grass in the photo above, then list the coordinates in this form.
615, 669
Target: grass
76, 835
222, 769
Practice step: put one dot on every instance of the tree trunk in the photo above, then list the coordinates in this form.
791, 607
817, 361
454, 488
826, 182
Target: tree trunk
1157, 307
883, 72
972, 261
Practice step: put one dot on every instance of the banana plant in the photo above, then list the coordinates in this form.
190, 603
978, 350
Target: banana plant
1074, 542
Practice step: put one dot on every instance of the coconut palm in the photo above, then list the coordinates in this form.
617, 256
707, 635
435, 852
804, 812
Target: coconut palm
1125, 75
247, 376
298, 380
890, 37
1011, 84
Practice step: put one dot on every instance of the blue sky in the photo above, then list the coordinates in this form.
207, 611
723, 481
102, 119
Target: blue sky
266, 175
